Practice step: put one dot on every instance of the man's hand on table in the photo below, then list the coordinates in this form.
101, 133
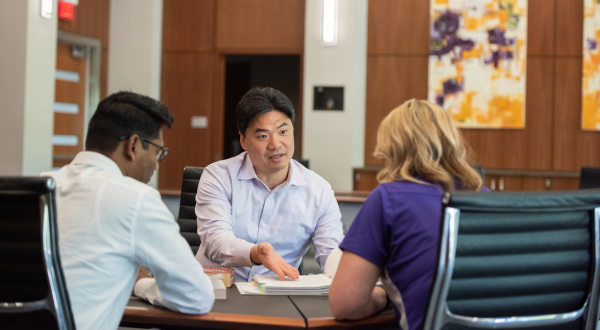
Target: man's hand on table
265, 254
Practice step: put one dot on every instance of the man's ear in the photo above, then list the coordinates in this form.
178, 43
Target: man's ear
130, 147
243, 141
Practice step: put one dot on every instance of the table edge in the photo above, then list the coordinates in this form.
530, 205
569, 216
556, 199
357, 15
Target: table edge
165, 317
329, 322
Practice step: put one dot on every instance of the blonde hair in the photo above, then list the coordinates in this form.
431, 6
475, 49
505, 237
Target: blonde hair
419, 138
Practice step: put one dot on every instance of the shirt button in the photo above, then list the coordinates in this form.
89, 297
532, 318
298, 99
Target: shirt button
264, 225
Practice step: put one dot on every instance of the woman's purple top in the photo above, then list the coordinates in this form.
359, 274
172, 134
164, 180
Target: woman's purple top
398, 229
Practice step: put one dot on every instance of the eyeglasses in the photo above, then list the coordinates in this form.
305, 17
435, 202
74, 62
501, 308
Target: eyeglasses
163, 151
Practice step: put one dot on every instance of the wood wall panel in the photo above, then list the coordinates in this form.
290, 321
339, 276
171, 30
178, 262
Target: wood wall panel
541, 27
197, 37
260, 24
188, 25
391, 80
568, 139
573, 147
365, 180
534, 183
186, 88
91, 19
569, 27
591, 147
564, 184
530, 148
516, 183
398, 27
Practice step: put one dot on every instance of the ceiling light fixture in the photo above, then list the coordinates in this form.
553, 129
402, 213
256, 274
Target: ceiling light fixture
47, 8
329, 22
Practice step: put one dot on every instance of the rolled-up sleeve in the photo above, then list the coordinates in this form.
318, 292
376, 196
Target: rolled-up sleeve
180, 283
215, 227
328, 232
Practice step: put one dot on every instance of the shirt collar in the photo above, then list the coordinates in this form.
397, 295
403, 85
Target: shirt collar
296, 174
97, 159
295, 177
247, 170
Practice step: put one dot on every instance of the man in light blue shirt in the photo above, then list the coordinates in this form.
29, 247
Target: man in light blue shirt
258, 212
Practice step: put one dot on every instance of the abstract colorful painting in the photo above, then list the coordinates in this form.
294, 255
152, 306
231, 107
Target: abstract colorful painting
590, 115
477, 61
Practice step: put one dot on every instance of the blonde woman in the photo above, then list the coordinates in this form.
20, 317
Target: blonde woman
395, 234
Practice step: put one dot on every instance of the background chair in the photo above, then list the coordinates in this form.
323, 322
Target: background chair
479, 168
304, 162
590, 178
517, 260
33, 294
188, 225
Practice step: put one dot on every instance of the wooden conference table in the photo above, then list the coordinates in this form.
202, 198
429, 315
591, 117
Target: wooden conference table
253, 312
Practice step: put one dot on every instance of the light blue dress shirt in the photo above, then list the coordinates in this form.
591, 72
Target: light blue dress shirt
236, 211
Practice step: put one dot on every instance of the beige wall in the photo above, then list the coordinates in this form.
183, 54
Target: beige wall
334, 140
135, 43
27, 64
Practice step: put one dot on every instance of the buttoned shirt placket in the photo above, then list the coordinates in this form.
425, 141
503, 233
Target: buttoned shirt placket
263, 232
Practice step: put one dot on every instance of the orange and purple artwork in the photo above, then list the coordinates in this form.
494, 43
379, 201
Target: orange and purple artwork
477, 61
590, 115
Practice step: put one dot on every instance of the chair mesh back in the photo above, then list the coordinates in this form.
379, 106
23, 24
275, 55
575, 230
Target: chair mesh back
522, 254
23, 275
187, 221
590, 178
28, 253
512, 264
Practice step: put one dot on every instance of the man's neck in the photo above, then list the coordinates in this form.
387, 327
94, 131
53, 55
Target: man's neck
272, 180
115, 158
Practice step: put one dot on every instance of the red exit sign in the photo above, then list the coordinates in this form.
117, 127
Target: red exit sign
66, 10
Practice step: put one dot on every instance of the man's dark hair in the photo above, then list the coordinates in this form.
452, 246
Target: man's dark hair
260, 100
123, 114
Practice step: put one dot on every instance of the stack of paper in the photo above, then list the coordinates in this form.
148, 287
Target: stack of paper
306, 284
218, 286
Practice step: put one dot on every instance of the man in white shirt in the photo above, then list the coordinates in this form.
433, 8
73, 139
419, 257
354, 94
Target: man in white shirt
110, 221
258, 212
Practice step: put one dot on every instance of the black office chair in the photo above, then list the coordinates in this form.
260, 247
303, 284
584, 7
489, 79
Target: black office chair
590, 178
517, 260
188, 225
33, 293
479, 168
304, 162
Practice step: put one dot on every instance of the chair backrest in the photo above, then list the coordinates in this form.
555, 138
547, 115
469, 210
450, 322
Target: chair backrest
304, 162
188, 224
479, 168
33, 293
517, 260
590, 178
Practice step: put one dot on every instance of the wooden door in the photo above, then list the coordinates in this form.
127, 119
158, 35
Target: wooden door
69, 105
